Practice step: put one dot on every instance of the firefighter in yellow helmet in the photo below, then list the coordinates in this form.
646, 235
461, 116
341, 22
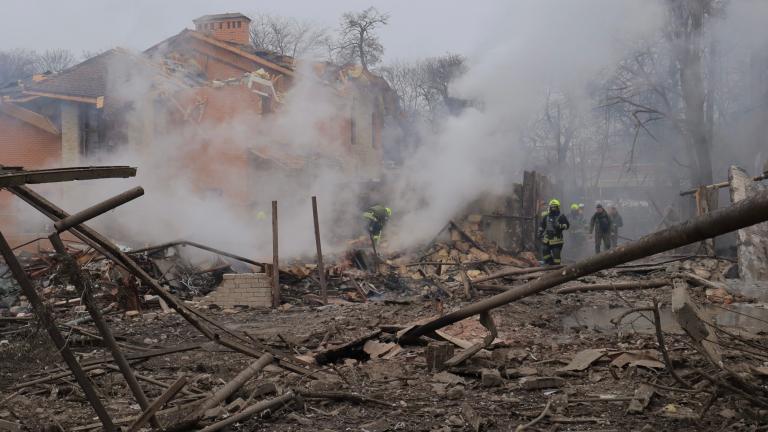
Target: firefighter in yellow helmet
551, 228
376, 216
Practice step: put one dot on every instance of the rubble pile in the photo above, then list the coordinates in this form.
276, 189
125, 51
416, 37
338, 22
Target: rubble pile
456, 335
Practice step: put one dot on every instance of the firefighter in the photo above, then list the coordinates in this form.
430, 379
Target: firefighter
600, 226
616, 223
576, 215
553, 223
376, 216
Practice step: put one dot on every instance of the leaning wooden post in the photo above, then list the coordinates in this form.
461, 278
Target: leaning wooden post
320, 266
275, 260
84, 289
50, 325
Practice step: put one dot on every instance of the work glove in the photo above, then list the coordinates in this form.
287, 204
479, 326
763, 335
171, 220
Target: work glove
563, 226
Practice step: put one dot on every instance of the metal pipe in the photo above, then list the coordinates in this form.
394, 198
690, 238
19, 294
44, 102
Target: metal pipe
745, 213
100, 208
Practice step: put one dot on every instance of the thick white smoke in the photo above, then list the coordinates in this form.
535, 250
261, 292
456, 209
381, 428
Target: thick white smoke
535, 46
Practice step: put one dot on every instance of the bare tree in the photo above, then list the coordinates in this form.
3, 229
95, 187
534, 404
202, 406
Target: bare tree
16, 64
287, 36
55, 60
666, 88
423, 87
440, 72
358, 41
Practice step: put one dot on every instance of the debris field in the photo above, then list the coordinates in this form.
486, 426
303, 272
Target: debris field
455, 335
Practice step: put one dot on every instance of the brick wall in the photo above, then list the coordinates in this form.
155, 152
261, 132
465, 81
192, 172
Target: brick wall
26, 145
219, 164
22, 144
246, 289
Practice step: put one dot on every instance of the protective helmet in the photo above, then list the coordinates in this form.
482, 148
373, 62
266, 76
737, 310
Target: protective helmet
581, 205
554, 202
574, 206
389, 211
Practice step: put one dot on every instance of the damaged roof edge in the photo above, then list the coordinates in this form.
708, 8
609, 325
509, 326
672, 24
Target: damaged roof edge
30, 117
223, 45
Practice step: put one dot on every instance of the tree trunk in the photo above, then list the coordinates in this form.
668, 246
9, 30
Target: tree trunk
694, 93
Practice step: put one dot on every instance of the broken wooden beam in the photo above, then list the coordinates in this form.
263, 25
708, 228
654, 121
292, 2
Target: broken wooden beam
319, 246
514, 271
98, 209
84, 287
275, 259
158, 403
686, 313
618, 286
53, 331
251, 411
748, 212
18, 178
721, 185
232, 386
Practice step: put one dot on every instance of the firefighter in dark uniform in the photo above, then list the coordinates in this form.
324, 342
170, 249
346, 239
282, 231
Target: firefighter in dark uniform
553, 223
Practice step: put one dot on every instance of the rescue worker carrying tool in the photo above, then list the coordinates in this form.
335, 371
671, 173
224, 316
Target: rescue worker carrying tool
376, 216
551, 228
600, 225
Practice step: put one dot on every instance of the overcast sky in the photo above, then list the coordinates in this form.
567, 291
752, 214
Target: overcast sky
417, 28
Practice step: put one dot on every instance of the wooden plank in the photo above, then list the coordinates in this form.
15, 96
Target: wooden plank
275, 259
641, 399
461, 343
686, 313
18, 178
583, 359
158, 403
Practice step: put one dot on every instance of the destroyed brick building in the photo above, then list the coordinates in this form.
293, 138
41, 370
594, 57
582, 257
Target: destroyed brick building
198, 80
440, 309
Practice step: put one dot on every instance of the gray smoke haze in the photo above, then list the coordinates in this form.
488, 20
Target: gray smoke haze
175, 207
539, 46
532, 48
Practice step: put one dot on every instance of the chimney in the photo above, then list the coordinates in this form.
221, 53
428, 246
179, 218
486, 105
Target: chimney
227, 27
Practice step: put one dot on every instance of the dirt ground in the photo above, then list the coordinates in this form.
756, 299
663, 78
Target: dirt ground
538, 337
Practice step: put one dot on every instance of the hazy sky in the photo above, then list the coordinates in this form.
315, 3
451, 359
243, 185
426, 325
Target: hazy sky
417, 27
